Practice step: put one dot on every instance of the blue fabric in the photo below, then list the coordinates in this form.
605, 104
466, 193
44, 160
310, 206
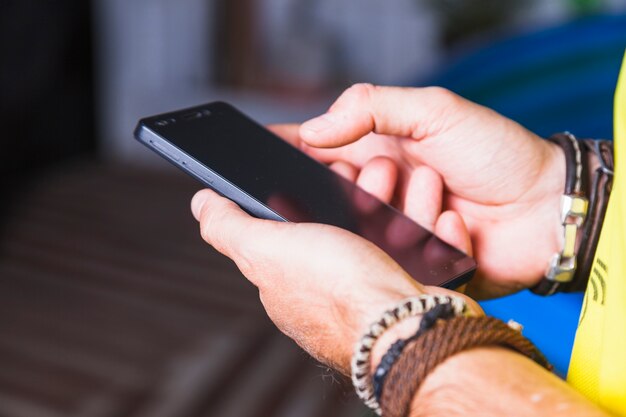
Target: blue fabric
557, 79
561, 78
550, 322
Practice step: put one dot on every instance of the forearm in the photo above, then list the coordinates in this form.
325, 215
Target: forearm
486, 382
498, 382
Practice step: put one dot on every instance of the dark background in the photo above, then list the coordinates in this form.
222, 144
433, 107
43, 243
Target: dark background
47, 83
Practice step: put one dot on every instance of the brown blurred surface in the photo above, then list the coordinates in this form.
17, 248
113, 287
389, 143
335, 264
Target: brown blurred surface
111, 305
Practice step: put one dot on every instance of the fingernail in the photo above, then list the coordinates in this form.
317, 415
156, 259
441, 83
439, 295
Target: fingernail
197, 202
321, 123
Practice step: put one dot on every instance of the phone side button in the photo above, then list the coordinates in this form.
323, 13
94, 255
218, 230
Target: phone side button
199, 173
166, 151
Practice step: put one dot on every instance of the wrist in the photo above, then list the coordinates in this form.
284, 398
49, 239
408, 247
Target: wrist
409, 326
402, 330
554, 177
430, 308
440, 392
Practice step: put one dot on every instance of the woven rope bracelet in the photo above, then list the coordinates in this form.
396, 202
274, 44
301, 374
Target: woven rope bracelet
411, 307
445, 339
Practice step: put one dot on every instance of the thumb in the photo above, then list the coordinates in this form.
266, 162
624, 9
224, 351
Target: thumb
233, 232
364, 108
223, 224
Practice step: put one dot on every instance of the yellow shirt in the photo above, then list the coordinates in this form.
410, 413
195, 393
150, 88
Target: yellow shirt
598, 364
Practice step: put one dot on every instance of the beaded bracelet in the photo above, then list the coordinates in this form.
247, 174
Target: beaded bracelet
411, 307
441, 311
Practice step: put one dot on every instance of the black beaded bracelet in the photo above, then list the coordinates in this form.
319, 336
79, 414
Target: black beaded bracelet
414, 306
439, 312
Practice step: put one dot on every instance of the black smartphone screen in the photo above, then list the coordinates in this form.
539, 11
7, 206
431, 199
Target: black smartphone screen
244, 161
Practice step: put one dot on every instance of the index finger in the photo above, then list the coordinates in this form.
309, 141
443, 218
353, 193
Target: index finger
290, 133
398, 111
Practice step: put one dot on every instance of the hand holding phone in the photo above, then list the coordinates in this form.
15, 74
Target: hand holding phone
321, 285
271, 179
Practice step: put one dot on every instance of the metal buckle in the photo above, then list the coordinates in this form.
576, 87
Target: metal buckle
562, 266
573, 207
561, 269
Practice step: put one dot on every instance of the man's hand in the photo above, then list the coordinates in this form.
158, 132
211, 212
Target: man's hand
321, 285
431, 152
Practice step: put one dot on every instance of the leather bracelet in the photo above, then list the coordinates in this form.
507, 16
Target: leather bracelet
447, 338
574, 205
600, 182
569, 270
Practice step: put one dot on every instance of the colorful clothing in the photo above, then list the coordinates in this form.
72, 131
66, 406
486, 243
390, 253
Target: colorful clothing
598, 364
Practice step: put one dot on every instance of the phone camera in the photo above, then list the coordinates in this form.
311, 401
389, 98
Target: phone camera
165, 122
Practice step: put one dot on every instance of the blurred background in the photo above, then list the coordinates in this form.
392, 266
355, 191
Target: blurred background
110, 304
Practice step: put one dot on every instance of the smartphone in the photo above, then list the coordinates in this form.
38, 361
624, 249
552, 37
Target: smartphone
271, 179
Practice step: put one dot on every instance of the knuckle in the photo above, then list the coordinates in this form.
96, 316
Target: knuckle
444, 108
246, 267
206, 225
221, 229
361, 91
381, 161
441, 95
211, 231
221, 242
